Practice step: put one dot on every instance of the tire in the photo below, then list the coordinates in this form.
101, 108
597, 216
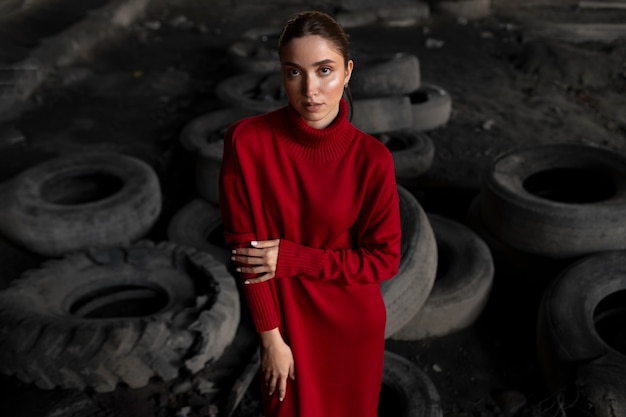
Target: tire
261, 92
356, 18
74, 202
404, 15
210, 127
382, 114
199, 225
559, 201
468, 9
464, 280
252, 56
385, 76
412, 151
208, 165
406, 390
407, 291
580, 329
431, 107
123, 315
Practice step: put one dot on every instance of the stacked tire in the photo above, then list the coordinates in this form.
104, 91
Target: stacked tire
562, 205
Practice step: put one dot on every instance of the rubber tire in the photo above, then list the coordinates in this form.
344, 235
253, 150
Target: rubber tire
356, 18
199, 225
462, 286
413, 391
467, 9
253, 56
567, 331
210, 127
34, 216
431, 107
262, 92
404, 15
382, 76
382, 114
405, 293
413, 152
555, 229
47, 337
208, 165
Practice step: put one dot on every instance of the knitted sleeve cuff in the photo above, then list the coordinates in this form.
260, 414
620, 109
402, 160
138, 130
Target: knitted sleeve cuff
261, 305
294, 259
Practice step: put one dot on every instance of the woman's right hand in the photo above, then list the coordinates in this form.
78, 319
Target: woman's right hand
277, 362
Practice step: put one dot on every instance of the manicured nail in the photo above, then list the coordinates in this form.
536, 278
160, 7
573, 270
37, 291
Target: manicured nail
232, 258
254, 243
246, 282
238, 269
280, 399
234, 251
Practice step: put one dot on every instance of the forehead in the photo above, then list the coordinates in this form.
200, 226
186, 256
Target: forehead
310, 49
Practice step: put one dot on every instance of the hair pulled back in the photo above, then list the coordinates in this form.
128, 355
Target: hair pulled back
315, 23
310, 23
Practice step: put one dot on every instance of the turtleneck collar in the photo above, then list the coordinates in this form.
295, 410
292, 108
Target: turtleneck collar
319, 144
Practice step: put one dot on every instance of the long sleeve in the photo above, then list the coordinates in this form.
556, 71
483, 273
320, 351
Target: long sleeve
376, 254
239, 232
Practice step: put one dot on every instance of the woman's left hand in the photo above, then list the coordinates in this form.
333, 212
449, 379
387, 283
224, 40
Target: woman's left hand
261, 258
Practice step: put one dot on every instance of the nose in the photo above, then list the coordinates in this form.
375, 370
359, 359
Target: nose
309, 86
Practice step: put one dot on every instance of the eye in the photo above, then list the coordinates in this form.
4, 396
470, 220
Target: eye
293, 72
326, 70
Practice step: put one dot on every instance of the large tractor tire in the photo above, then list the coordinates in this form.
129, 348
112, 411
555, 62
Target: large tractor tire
101, 318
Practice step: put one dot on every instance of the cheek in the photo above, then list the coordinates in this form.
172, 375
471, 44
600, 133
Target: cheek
335, 83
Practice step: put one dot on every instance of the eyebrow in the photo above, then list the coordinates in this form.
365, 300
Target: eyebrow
315, 64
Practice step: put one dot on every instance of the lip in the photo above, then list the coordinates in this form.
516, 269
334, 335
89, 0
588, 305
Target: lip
311, 106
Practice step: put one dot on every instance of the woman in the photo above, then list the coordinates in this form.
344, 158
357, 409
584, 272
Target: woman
311, 210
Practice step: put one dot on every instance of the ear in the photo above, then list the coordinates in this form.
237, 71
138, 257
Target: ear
349, 68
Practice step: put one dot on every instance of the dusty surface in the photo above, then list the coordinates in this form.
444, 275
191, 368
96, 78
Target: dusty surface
510, 87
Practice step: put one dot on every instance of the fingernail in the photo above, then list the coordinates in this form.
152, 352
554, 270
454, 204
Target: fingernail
238, 269
232, 258
234, 251
246, 282
254, 243
280, 399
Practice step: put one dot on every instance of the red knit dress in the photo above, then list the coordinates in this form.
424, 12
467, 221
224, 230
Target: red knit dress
330, 195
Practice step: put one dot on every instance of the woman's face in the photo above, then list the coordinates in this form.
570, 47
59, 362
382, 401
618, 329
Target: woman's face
314, 75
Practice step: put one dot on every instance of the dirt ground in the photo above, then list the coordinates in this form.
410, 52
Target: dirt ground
511, 85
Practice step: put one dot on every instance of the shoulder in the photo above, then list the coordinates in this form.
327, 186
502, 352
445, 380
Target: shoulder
374, 151
251, 127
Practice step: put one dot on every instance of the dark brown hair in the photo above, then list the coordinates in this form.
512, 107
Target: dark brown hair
316, 23
321, 24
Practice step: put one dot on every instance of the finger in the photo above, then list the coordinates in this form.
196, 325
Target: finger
253, 269
272, 385
292, 373
247, 260
263, 278
282, 388
265, 243
252, 252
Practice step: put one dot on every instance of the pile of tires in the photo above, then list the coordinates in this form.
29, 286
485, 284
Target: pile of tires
557, 211
462, 284
405, 294
104, 317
